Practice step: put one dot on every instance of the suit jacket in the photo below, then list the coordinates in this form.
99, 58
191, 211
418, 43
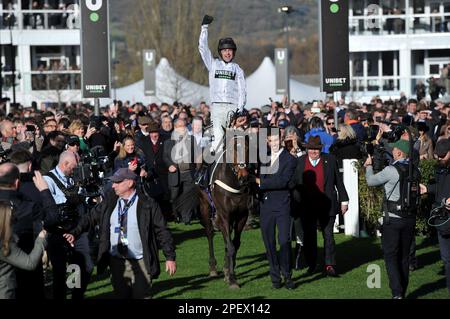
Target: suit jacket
334, 189
426, 148
152, 230
275, 187
28, 217
174, 178
17, 259
154, 161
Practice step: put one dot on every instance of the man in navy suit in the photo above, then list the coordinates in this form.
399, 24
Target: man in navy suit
319, 189
275, 210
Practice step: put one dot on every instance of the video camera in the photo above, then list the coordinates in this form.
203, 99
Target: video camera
380, 155
90, 172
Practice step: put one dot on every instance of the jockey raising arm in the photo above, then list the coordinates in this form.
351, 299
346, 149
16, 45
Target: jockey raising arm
226, 80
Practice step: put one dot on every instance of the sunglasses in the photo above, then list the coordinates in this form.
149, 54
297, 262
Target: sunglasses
330, 123
74, 144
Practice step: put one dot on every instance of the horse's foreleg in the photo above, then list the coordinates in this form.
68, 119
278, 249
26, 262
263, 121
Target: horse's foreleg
212, 258
206, 222
238, 228
229, 250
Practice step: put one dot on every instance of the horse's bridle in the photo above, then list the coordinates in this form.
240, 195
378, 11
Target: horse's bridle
237, 167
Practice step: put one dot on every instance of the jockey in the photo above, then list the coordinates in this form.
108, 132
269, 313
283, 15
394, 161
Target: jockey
226, 80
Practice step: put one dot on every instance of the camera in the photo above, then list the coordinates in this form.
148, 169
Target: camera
4, 155
440, 217
394, 134
89, 173
377, 151
31, 128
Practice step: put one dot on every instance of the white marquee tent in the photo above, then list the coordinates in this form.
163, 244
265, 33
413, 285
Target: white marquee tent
261, 85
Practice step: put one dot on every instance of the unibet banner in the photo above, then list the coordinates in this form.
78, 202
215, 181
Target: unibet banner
282, 71
95, 77
149, 72
334, 45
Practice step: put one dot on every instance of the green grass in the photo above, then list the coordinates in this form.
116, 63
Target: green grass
353, 257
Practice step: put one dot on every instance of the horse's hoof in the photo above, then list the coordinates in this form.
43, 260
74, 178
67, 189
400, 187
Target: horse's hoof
213, 274
234, 286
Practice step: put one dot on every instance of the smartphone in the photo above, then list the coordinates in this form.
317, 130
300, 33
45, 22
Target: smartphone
134, 162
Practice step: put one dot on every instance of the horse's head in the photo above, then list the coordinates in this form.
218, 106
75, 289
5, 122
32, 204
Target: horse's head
238, 142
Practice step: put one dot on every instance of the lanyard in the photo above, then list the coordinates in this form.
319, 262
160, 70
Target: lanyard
64, 180
124, 211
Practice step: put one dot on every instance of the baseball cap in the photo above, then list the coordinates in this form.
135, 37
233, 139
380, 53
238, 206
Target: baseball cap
122, 174
402, 145
73, 139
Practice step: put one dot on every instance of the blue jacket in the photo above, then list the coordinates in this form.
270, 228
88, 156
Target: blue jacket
275, 187
326, 139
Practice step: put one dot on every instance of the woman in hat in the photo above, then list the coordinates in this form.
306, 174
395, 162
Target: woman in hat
426, 144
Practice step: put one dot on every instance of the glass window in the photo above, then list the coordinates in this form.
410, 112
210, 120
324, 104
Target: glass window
358, 7
434, 69
372, 64
447, 7
419, 6
358, 64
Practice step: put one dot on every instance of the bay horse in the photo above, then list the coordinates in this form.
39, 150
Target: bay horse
230, 194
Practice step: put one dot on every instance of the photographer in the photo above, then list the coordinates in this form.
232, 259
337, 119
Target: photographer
399, 220
440, 188
69, 203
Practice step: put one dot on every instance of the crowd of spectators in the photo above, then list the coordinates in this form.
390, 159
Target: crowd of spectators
138, 137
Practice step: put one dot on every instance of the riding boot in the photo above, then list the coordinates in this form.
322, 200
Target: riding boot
202, 178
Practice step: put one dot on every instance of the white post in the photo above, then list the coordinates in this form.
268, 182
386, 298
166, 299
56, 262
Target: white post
351, 218
405, 71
